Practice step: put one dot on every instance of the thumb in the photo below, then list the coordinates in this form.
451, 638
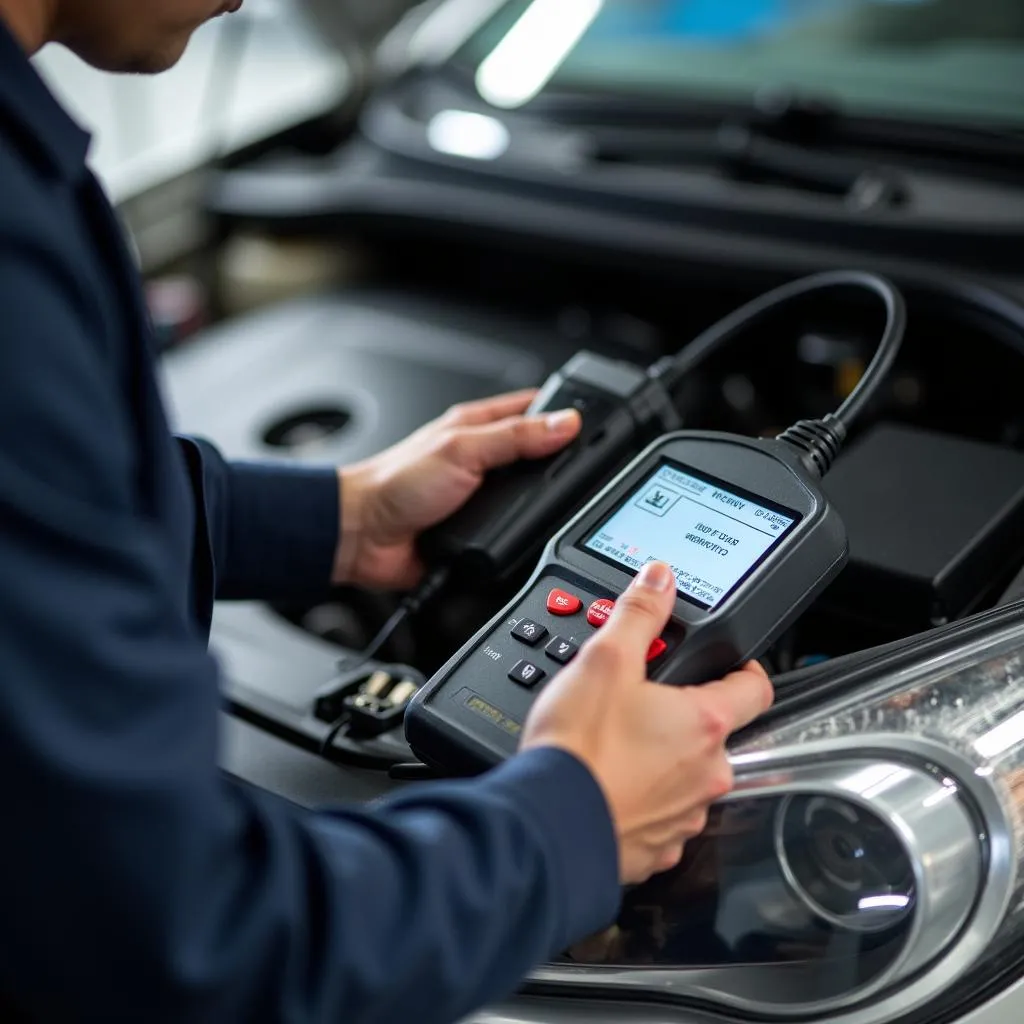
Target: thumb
643, 611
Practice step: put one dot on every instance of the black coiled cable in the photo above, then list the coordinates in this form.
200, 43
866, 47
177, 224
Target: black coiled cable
818, 440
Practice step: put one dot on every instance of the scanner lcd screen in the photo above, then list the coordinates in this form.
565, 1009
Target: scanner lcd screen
711, 535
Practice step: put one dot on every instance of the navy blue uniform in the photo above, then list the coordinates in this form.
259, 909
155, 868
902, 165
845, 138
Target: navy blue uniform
137, 882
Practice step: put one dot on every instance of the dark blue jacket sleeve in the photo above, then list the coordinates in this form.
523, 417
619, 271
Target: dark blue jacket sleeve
273, 529
136, 882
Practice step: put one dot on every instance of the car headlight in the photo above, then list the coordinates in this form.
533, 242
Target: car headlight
867, 861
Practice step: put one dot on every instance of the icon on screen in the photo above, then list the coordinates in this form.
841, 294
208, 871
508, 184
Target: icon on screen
657, 500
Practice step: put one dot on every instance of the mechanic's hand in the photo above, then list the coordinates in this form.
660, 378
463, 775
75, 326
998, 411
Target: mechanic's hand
391, 498
658, 751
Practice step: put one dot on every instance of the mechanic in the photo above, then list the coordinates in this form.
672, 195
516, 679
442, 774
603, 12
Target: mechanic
138, 882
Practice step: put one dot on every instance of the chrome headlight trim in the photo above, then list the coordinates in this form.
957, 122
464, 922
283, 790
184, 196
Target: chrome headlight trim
943, 959
940, 948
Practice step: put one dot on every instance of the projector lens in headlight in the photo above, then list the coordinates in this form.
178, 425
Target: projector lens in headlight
867, 861
844, 863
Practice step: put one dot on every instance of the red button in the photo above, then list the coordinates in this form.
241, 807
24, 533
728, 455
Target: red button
657, 649
562, 603
600, 611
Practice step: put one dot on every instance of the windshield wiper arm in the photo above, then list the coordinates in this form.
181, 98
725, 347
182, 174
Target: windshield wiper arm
808, 123
865, 186
739, 151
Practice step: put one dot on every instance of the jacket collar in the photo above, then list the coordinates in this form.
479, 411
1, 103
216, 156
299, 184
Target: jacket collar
28, 105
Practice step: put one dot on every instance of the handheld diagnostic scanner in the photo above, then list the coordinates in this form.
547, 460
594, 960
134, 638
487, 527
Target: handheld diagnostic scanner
752, 541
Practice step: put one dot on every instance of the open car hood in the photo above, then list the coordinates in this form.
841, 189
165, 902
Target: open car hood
348, 23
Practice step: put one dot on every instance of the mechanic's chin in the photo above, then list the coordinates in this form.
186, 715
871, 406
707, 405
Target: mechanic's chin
153, 59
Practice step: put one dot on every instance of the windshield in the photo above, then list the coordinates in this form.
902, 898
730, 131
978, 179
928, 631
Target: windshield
948, 60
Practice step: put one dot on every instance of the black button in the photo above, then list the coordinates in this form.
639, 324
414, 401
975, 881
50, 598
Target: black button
562, 650
526, 674
529, 632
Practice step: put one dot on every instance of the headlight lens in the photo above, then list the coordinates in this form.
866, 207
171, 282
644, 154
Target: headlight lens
844, 863
867, 860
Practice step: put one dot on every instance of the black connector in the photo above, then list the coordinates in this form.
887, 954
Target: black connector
503, 526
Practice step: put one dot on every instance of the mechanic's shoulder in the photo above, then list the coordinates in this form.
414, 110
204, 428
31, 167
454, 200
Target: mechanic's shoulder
27, 183
62, 411
49, 289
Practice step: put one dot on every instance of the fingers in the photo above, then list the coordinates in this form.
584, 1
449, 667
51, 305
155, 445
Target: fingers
490, 410
739, 699
642, 612
668, 854
756, 667
499, 444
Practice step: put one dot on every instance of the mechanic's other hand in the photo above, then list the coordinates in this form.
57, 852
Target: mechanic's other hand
389, 499
657, 751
